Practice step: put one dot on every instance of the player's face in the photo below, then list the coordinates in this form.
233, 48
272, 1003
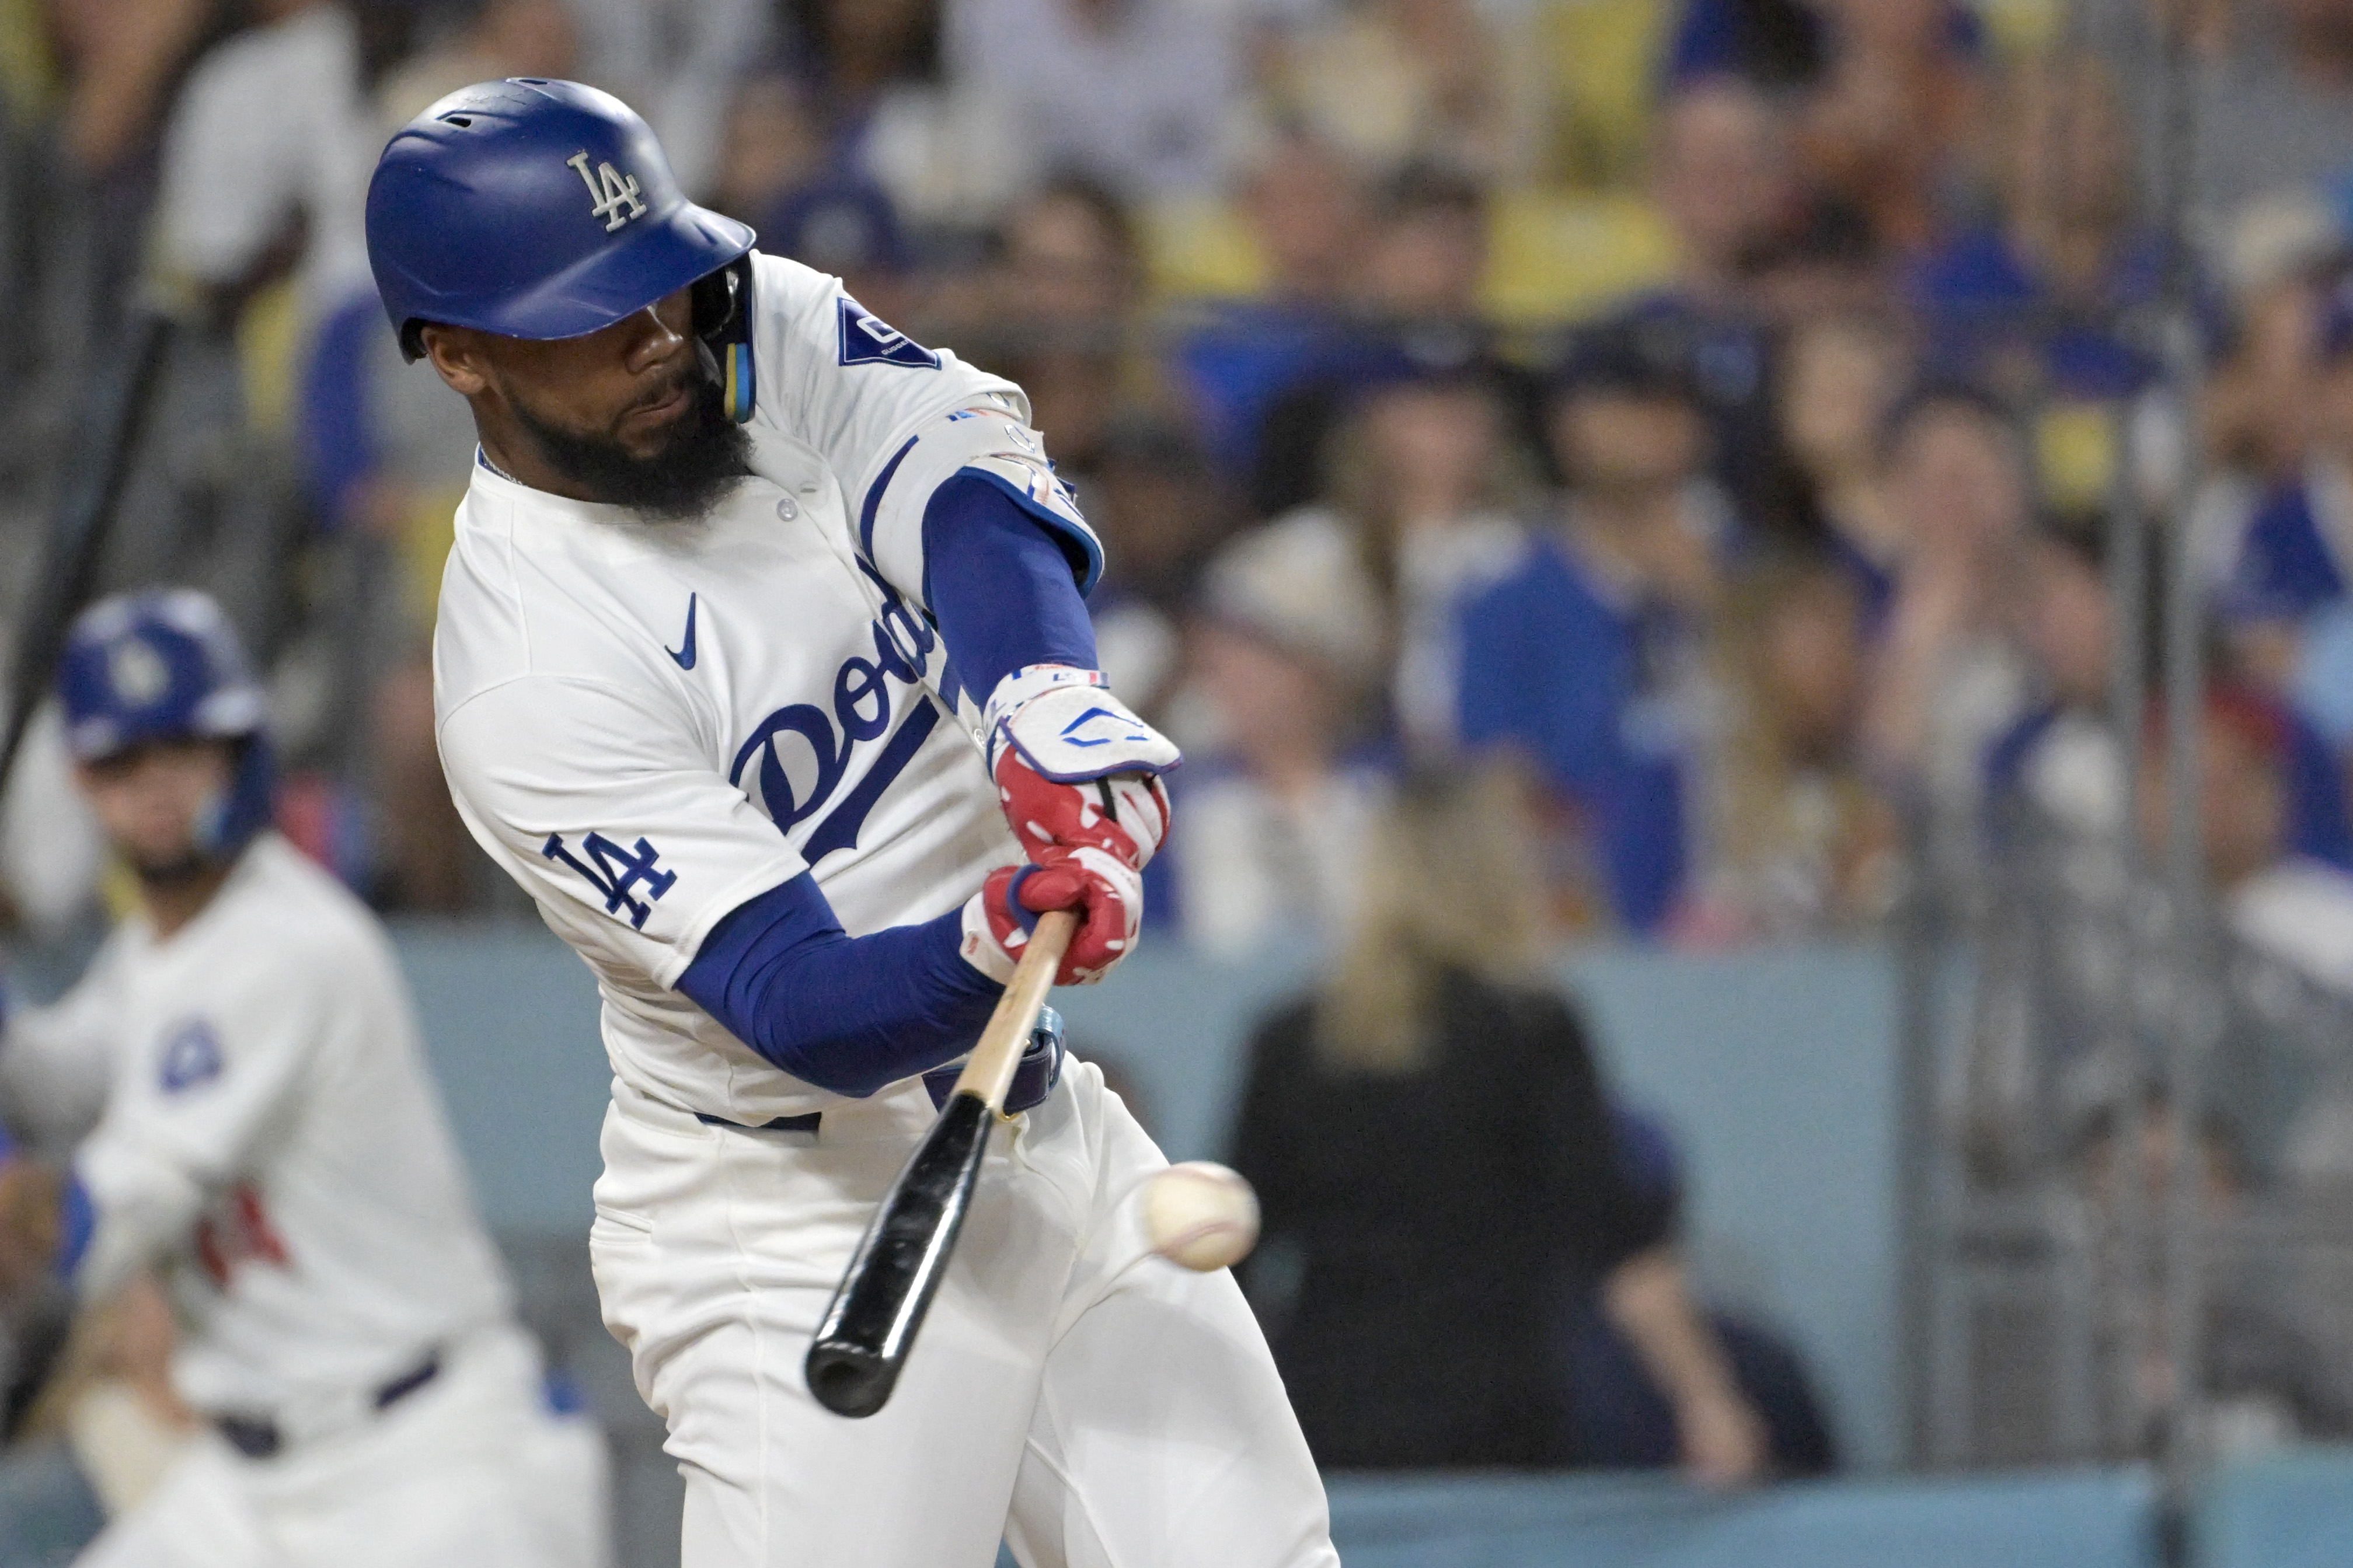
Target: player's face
148, 799
631, 384
629, 415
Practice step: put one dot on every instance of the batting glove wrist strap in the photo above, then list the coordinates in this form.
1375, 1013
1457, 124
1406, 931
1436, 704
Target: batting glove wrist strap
1074, 769
1067, 727
1105, 889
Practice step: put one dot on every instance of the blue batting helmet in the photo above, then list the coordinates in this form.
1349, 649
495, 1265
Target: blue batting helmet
534, 209
164, 665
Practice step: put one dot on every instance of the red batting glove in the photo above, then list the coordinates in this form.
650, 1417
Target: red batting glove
1075, 768
1103, 889
1126, 815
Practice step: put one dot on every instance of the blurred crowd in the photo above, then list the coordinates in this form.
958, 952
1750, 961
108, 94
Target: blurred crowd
1718, 407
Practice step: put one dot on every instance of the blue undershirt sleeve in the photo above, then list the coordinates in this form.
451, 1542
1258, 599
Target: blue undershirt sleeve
1000, 586
847, 1014
76, 1222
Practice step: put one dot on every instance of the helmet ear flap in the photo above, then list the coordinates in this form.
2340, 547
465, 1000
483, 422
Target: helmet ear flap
722, 320
245, 807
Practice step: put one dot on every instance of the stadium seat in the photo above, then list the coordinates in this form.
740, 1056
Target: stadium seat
1554, 254
1199, 249
1566, 255
1601, 59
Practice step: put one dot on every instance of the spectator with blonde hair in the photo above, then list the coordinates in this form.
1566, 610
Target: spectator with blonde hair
1438, 1164
1798, 843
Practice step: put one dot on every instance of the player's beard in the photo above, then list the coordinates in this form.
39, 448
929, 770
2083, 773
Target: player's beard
704, 454
169, 873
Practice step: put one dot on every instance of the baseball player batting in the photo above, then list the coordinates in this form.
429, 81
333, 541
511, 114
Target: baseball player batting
761, 664
267, 1139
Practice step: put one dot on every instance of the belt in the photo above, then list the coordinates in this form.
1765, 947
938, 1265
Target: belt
1034, 1078
781, 1124
1040, 1070
259, 1437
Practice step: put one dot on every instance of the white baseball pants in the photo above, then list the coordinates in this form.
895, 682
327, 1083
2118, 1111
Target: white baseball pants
1096, 1405
470, 1471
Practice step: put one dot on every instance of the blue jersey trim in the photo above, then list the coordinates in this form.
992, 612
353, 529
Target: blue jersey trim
874, 498
1079, 545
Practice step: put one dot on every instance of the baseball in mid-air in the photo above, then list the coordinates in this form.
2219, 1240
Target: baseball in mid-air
1200, 1214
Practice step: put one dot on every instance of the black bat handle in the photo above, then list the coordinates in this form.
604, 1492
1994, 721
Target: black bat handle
864, 1341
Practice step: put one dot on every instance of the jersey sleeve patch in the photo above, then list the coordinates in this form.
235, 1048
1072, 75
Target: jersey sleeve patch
191, 1057
616, 872
867, 339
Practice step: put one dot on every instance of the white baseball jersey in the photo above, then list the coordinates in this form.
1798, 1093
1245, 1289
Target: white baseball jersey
647, 723
270, 1133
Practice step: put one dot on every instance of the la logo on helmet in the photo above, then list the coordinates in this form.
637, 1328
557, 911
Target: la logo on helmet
610, 189
137, 672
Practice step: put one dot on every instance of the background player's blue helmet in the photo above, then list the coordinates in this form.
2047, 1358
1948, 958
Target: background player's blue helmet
164, 664
534, 209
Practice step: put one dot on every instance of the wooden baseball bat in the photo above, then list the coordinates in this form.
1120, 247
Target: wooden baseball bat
862, 1342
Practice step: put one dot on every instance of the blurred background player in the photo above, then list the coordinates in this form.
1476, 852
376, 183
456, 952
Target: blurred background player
236, 1099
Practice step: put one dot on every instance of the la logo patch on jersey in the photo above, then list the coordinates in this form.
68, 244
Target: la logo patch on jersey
610, 191
192, 1055
867, 339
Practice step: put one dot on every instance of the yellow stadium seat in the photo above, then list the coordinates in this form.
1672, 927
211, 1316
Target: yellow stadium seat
1557, 256
427, 534
1599, 60
2022, 29
1200, 248
2076, 452
271, 341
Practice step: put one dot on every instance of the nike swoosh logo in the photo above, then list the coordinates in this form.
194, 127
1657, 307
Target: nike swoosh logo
685, 656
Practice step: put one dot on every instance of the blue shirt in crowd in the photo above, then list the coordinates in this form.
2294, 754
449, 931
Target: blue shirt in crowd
1980, 297
1774, 43
1243, 358
1559, 668
2317, 826
2285, 568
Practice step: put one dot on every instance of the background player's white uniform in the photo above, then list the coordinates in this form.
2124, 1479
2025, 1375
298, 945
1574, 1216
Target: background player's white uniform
649, 724
267, 1134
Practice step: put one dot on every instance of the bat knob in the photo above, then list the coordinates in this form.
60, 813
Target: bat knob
849, 1380
862, 1342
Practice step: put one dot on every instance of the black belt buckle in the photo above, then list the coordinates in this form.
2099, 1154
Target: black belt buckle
1040, 1070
